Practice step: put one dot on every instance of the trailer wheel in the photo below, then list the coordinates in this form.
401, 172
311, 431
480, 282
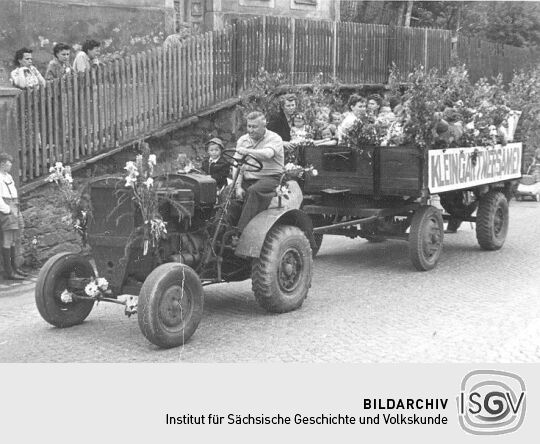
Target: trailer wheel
492, 221
281, 276
170, 305
51, 283
426, 237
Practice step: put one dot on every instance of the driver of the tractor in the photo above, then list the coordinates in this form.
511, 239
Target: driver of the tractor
257, 188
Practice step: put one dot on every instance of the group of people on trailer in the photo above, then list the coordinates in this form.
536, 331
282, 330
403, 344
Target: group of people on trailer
331, 125
390, 113
26, 75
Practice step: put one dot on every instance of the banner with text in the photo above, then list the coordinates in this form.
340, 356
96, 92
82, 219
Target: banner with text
458, 168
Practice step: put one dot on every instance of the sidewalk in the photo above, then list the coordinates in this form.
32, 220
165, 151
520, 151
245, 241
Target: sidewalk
8, 288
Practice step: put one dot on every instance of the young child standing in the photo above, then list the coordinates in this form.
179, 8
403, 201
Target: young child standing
216, 165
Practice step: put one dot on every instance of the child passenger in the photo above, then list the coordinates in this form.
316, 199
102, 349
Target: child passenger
328, 136
299, 131
216, 165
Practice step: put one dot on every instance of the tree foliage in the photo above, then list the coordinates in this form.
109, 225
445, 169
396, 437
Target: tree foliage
508, 22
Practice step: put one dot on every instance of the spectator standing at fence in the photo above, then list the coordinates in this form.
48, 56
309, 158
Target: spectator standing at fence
59, 65
10, 219
87, 57
25, 75
357, 107
281, 123
183, 31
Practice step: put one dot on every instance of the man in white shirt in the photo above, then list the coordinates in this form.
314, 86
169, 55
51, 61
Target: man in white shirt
258, 187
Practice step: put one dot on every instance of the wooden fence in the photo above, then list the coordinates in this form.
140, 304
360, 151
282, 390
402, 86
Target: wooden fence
128, 99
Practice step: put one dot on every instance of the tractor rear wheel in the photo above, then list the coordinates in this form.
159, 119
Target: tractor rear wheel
492, 221
170, 305
53, 280
426, 237
281, 276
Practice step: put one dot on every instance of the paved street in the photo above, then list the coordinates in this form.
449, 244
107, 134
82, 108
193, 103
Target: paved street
367, 304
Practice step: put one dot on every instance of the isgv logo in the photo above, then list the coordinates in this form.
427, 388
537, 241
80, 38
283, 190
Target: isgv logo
491, 402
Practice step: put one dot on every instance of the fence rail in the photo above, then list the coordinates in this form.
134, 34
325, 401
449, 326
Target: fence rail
81, 116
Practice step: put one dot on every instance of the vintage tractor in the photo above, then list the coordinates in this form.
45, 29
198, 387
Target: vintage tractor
201, 247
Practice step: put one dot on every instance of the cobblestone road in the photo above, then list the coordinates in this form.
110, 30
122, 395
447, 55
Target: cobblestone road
367, 304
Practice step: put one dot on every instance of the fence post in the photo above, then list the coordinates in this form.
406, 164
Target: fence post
391, 51
335, 50
235, 56
426, 50
263, 43
292, 46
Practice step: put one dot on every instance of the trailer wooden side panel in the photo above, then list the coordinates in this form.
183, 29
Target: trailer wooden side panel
372, 171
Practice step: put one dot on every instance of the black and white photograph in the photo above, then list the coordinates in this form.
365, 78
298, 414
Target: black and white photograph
269, 181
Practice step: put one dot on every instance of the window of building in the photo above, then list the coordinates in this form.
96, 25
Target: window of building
258, 3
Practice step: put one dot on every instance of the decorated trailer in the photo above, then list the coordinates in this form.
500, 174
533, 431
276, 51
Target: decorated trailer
381, 193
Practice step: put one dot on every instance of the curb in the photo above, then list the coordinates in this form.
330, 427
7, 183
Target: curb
9, 289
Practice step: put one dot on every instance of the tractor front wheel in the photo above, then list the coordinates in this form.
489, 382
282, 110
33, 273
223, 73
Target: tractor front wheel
53, 280
170, 305
281, 277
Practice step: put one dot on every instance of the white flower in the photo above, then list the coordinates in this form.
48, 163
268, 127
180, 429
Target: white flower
34, 241
282, 190
152, 160
290, 166
131, 302
158, 228
314, 172
92, 289
131, 168
66, 297
58, 165
149, 182
130, 181
102, 284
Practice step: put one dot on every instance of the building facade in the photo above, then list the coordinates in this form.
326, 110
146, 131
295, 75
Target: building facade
129, 26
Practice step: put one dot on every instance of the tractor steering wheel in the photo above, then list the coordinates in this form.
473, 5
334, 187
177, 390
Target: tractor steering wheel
247, 159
